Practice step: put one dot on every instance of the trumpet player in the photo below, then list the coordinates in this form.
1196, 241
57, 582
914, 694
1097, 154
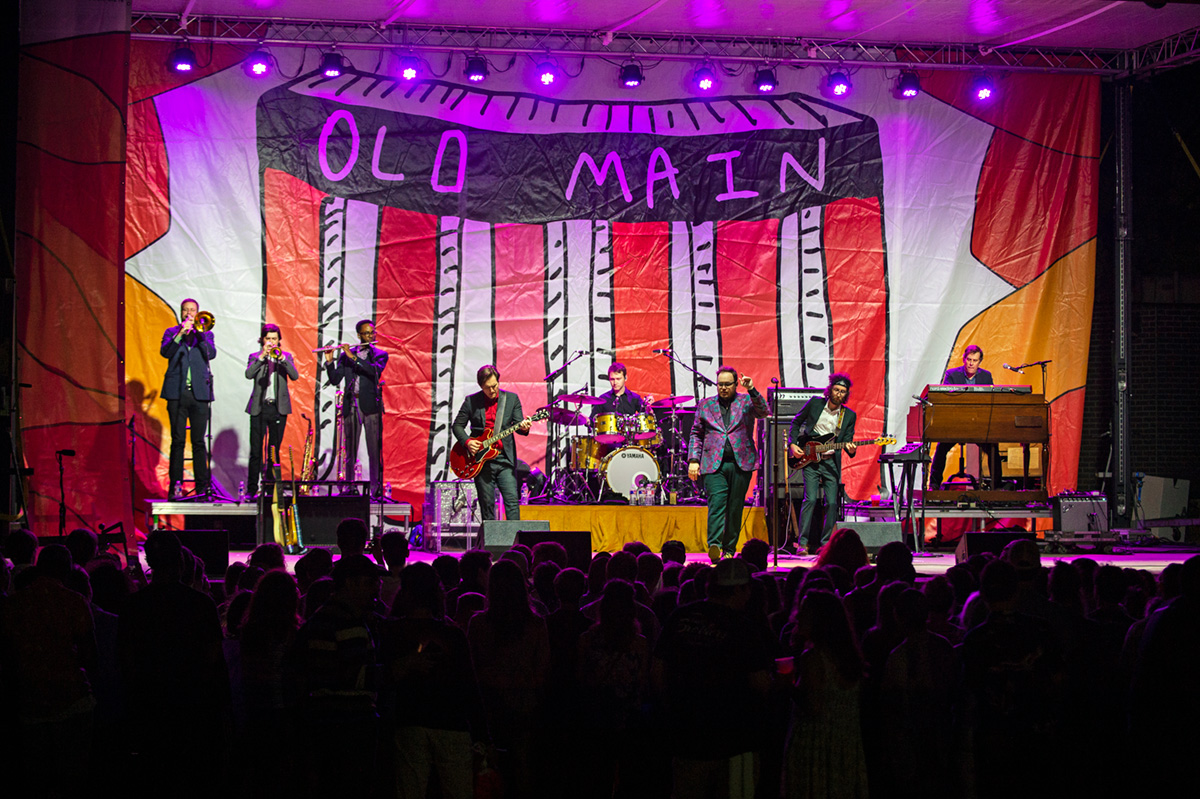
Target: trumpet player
187, 388
270, 401
362, 406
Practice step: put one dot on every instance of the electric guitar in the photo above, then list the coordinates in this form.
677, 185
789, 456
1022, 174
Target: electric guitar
465, 465
814, 448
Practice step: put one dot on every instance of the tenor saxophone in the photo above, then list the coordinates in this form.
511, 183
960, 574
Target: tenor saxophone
308, 464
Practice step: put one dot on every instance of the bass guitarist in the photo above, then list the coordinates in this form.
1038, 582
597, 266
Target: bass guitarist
484, 412
822, 417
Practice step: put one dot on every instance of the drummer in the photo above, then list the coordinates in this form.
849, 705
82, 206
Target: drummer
619, 400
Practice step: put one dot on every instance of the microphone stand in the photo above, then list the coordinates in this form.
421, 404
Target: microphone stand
555, 481
62, 495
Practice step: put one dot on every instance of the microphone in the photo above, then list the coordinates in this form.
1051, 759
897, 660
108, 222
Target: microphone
663, 351
603, 351
922, 400
1016, 369
774, 381
70, 453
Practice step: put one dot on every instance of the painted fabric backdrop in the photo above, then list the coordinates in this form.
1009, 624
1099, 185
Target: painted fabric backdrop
787, 235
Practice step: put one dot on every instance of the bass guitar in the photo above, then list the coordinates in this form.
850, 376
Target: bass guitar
466, 466
813, 449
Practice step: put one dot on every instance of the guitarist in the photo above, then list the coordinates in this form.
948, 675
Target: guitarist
819, 418
485, 412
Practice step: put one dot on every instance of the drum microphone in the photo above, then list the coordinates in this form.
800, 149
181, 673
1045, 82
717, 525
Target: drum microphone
1013, 369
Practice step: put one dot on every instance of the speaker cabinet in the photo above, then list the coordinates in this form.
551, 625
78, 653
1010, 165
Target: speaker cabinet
320, 516
994, 542
498, 536
875, 534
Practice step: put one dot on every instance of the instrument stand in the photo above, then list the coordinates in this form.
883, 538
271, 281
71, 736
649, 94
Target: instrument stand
62, 495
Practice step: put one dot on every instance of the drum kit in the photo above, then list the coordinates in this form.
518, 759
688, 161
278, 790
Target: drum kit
640, 457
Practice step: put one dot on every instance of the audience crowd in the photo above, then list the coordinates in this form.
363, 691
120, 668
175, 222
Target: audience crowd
645, 676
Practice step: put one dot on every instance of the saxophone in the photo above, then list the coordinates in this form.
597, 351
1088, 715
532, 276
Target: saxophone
308, 463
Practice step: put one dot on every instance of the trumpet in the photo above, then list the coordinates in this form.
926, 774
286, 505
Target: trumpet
275, 352
205, 321
332, 347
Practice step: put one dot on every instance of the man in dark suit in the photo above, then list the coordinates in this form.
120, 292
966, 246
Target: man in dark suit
721, 448
969, 374
821, 417
362, 405
187, 388
270, 401
486, 412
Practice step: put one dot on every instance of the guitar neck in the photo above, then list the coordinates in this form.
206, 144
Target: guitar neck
508, 431
841, 445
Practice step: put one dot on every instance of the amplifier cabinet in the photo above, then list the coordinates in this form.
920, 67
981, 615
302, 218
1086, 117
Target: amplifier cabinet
1080, 511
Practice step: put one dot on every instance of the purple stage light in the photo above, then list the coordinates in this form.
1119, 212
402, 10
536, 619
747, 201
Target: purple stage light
477, 68
547, 73
839, 84
258, 63
764, 80
982, 88
331, 65
182, 59
410, 68
631, 75
704, 79
910, 85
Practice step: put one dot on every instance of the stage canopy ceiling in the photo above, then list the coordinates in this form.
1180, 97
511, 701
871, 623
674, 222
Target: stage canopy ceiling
1122, 25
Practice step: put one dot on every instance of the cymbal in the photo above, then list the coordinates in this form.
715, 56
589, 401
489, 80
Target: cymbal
680, 410
567, 417
582, 399
671, 402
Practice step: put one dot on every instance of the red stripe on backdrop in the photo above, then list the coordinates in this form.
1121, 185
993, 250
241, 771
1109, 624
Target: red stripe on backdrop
642, 304
520, 326
406, 287
1066, 429
747, 285
292, 227
856, 284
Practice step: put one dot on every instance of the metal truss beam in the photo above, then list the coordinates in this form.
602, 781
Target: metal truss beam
1169, 53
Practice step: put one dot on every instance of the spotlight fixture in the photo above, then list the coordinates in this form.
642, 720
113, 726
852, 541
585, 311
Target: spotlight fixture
764, 80
331, 65
477, 68
258, 63
632, 75
704, 79
910, 85
182, 59
547, 73
839, 84
982, 88
410, 68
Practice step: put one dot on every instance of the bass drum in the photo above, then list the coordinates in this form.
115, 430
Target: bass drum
622, 467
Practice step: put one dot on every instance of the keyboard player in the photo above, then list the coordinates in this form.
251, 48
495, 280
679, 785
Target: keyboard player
969, 374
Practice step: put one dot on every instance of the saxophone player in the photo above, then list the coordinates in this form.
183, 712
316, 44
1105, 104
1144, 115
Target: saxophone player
270, 369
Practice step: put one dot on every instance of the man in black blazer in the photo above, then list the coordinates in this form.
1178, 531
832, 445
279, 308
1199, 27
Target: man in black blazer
823, 416
270, 401
362, 404
187, 388
969, 374
492, 410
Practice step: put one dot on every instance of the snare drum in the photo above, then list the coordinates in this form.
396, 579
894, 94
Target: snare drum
585, 454
607, 427
622, 467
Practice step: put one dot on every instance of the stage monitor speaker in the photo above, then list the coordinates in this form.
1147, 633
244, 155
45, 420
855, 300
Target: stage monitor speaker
211, 546
994, 542
875, 534
578, 544
498, 537
320, 516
